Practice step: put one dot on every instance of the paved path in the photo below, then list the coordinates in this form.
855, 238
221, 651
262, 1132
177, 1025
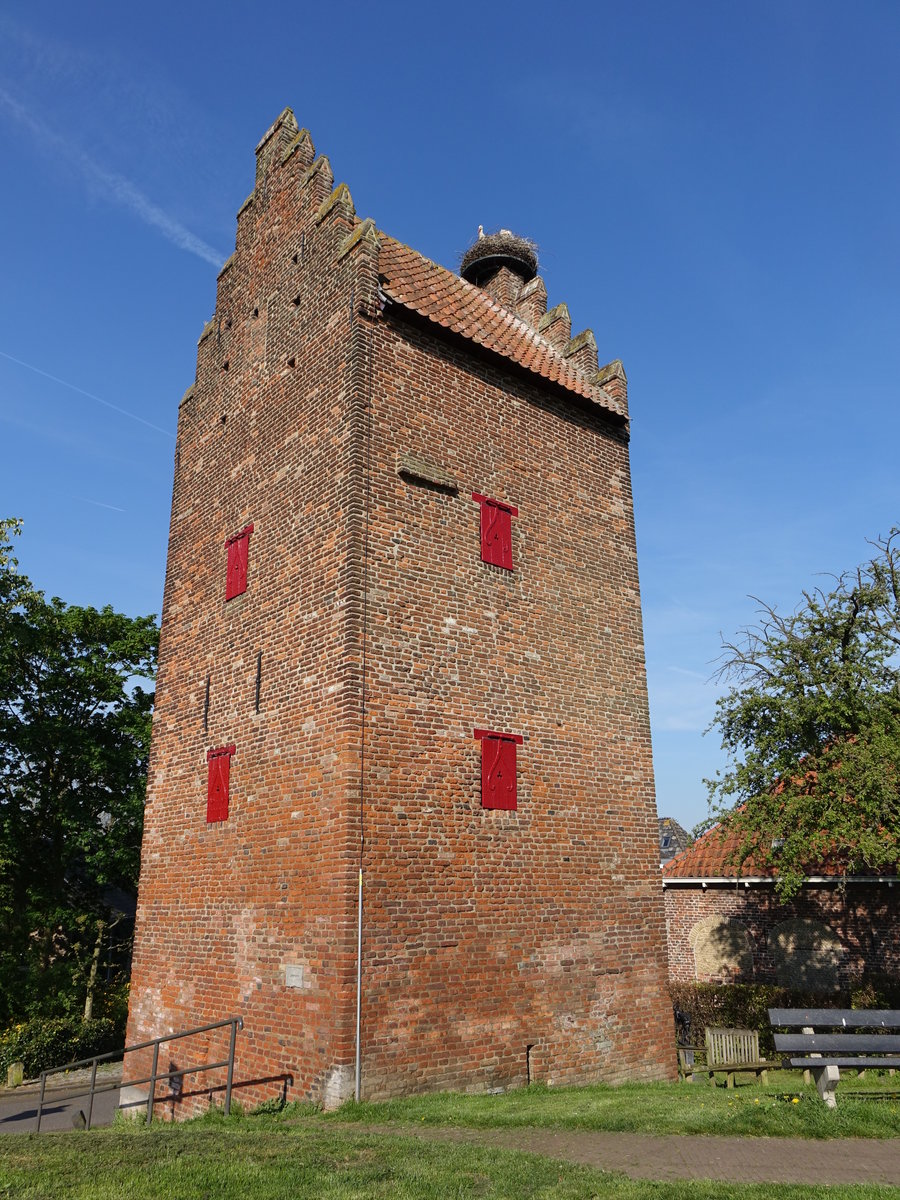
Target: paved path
672, 1156
18, 1107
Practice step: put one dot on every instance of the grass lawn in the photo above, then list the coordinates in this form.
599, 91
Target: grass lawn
301, 1152
747, 1109
270, 1158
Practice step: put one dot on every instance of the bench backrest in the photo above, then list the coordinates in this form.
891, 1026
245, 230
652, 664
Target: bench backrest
732, 1046
843, 1018
827, 1031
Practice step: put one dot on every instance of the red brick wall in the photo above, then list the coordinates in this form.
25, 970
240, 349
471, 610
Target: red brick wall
485, 932
866, 920
224, 908
541, 927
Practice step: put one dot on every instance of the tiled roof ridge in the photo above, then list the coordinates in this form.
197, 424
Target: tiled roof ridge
556, 366
708, 857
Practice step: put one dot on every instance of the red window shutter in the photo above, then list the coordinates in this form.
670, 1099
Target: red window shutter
498, 769
217, 784
236, 570
496, 531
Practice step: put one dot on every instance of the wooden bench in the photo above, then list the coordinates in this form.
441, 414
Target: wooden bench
824, 1053
732, 1050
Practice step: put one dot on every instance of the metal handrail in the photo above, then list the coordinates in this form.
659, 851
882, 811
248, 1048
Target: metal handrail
155, 1075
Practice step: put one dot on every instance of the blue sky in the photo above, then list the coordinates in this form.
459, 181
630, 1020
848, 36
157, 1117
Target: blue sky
713, 187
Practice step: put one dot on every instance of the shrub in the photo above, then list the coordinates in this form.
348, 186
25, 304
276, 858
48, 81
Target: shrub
111, 1001
745, 1005
877, 991
41, 1044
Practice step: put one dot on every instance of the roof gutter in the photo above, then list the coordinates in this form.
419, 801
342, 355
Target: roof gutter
735, 881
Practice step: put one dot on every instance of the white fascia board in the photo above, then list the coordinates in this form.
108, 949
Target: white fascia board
833, 880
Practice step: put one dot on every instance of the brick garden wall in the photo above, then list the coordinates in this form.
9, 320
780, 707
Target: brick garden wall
865, 921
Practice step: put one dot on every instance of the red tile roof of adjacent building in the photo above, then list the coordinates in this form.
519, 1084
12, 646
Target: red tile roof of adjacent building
416, 283
709, 858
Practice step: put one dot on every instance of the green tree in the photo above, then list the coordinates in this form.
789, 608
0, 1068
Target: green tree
74, 738
811, 725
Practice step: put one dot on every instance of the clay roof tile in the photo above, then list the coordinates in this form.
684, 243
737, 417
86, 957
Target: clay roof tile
709, 857
424, 287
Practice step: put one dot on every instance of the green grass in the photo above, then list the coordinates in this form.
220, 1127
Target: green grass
272, 1159
302, 1152
748, 1109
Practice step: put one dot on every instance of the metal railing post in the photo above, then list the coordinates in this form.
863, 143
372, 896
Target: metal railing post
91, 1097
230, 1076
152, 1083
41, 1101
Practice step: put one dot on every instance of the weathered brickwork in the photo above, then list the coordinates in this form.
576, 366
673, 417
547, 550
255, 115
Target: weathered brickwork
351, 427
860, 929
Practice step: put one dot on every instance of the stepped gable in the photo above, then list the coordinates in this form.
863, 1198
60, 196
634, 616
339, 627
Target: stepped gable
413, 281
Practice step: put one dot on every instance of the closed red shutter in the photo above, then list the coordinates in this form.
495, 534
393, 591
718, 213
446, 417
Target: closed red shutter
217, 784
496, 531
503, 778
498, 769
238, 558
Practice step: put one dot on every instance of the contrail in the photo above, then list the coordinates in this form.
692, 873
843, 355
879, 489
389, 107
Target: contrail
90, 395
100, 504
113, 186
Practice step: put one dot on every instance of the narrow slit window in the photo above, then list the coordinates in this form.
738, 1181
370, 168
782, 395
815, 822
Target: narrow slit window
236, 570
498, 768
496, 531
218, 783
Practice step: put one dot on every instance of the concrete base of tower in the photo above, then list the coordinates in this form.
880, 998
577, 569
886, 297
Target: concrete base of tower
340, 1086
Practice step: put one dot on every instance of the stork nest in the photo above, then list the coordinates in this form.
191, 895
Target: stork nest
502, 245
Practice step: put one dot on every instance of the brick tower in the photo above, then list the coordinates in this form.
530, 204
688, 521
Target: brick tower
401, 662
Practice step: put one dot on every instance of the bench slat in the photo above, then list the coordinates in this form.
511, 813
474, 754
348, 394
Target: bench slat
837, 1060
849, 1043
862, 1018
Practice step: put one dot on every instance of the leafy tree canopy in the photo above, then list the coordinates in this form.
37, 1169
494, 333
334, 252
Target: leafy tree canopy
74, 737
811, 725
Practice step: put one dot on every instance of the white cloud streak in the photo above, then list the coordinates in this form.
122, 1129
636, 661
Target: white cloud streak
100, 504
90, 395
689, 674
110, 184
